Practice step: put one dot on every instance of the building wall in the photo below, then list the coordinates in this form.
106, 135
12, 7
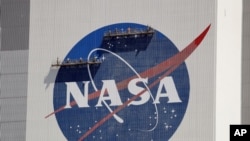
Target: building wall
245, 117
56, 26
14, 68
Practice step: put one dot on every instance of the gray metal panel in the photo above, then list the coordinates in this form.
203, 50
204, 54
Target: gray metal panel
245, 63
14, 24
12, 131
13, 68
13, 73
13, 86
14, 62
13, 109
13, 94
15, 38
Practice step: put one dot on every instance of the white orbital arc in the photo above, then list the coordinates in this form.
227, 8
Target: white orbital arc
119, 119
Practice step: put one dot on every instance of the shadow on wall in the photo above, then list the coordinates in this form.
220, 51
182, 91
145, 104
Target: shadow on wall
69, 74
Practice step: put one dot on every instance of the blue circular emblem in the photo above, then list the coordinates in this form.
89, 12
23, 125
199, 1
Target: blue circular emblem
116, 84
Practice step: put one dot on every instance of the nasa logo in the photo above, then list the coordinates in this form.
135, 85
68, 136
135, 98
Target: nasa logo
123, 82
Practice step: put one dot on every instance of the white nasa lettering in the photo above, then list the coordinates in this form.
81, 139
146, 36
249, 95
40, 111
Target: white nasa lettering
113, 94
134, 89
73, 89
109, 92
171, 92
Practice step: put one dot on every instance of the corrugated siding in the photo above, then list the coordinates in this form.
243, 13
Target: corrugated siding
245, 63
13, 69
14, 24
